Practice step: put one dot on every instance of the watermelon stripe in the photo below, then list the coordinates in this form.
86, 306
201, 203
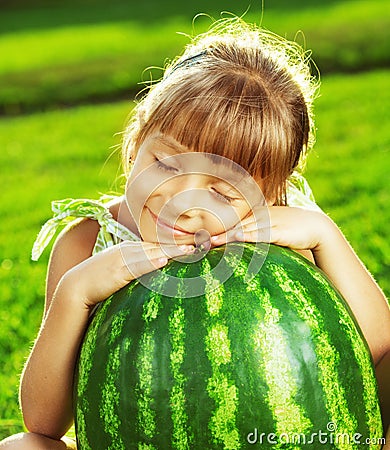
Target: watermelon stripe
146, 415
222, 390
223, 421
361, 353
180, 437
270, 342
85, 364
117, 325
258, 253
151, 308
110, 400
218, 344
110, 391
214, 290
328, 357
143, 446
288, 415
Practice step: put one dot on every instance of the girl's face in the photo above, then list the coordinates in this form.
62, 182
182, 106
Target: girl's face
175, 195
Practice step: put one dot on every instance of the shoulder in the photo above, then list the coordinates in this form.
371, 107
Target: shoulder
74, 245
77, 241
78, 238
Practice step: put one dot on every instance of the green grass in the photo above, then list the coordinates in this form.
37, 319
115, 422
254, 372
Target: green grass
65, 153
349, 169
72, 53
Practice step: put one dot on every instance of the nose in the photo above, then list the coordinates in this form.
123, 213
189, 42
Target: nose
188, 197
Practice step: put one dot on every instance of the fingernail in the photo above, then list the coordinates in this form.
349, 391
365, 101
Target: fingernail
186, 248
162, 261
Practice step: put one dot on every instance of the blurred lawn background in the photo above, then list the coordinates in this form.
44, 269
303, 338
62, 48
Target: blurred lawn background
68, 74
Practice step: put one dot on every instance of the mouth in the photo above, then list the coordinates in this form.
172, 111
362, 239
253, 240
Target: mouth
174, 230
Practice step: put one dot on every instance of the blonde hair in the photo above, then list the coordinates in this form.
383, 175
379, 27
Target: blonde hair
237, 91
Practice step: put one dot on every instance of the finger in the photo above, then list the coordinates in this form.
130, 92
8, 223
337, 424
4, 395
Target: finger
144, 266
252, 228
228, 236
169, 251
257, 235
159, 262
254, 222
153, 251
149, 245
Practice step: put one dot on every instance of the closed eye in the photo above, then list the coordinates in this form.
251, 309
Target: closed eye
222, 197
165, 167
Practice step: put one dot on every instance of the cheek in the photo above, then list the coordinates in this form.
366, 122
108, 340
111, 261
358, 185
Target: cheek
222, 219
138, 190
146, 180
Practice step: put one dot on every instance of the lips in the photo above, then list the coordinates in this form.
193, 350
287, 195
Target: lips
175, 230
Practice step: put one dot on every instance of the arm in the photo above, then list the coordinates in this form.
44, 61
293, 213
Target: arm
76, 282
302, 229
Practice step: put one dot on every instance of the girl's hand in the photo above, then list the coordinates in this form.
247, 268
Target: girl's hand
296, 228
99, 276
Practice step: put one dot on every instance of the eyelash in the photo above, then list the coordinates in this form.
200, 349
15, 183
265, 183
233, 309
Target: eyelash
165, 167
219, 195
222, 197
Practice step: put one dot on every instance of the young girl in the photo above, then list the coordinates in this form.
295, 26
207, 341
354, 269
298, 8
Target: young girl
210, 155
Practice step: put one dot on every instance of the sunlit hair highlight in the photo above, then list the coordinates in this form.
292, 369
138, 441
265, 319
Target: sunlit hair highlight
237, 91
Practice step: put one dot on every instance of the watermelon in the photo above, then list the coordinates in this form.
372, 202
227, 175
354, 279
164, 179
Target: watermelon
266, 354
